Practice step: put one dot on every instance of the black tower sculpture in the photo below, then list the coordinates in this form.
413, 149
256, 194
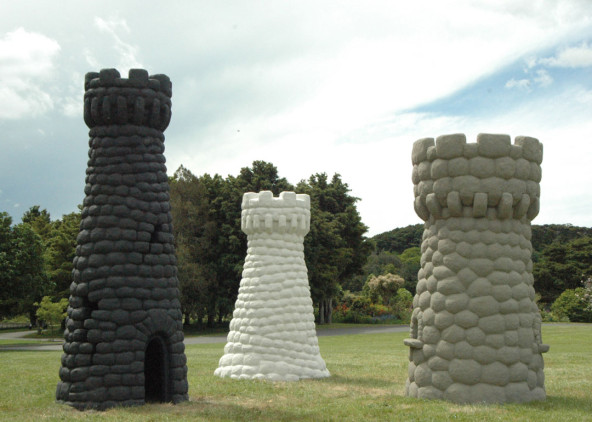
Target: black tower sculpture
123, 338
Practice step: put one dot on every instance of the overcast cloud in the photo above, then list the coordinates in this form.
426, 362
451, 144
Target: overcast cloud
311, 86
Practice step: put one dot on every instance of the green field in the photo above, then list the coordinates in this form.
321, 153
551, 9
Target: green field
367, 383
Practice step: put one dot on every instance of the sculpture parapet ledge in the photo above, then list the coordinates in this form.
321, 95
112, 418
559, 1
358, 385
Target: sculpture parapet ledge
139, 100
264, 213
491, 178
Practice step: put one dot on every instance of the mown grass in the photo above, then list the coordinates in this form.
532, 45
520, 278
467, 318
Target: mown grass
20, 342
367, 383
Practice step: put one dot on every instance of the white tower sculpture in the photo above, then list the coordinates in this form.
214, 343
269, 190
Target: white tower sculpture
272, 333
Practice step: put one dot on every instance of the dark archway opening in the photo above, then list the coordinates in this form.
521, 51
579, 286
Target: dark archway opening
156, 371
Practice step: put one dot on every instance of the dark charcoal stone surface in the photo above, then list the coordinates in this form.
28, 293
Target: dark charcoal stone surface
124, 314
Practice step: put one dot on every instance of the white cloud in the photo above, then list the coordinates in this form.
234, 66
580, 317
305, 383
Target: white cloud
90, 58
72, 106
583, 96
26, 62
71, 96
518, 83
320, 86
543, 78
530, 63
571, 57
127, 52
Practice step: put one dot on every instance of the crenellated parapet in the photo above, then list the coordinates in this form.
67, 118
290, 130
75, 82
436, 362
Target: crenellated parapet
140, 100
490, 178
288, 213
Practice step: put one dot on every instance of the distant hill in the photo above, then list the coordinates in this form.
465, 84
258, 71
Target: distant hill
397, 240
562, 233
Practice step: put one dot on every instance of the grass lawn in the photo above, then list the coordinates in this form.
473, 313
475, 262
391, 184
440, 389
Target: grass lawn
21, 341
367, 383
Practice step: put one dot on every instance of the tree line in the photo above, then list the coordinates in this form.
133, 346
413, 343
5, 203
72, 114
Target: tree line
562, 265
345, 268
36, 255
211, 247
35, 260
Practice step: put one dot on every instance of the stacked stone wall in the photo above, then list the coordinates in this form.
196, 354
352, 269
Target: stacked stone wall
476, 329
125, 290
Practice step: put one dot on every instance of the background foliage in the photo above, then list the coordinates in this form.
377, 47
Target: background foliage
344, 266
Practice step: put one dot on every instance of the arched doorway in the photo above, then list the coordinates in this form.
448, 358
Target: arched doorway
156, 368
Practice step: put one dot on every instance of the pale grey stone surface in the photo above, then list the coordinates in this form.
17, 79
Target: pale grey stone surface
475, 328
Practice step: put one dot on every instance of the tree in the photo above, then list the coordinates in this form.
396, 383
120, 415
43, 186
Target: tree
544, 235
335, 248
403, 304
7, 264
50, 312
22, 271
211, 247
190, 209
397, 240
261, 176
382, 262
410, 265
39, 220
562, 266
60, 249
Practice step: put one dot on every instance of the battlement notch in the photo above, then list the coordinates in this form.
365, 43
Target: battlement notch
139, 100
262, 212
490, 178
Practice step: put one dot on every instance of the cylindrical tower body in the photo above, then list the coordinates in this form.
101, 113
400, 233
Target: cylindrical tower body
124, 338
272, 333
475, 327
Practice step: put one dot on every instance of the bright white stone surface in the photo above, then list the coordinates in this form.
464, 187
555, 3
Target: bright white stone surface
272, 333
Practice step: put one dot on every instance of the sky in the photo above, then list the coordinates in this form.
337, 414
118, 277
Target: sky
311, 86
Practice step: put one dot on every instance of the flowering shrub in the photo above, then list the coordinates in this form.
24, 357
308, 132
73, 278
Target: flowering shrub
360, 309
586, 295
573, 304
383, 288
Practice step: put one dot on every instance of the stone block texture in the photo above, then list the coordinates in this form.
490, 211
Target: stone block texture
123, 337
475, 327
272, 333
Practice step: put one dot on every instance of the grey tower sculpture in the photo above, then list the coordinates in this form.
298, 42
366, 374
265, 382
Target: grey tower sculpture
475, 327
123, 337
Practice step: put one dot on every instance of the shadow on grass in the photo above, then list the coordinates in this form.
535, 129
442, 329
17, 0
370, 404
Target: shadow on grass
361, 382
212, 410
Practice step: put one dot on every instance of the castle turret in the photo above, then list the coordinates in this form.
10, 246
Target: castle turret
272, 333
475, 327
123, 337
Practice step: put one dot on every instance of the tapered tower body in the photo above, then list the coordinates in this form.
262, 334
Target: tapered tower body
475, 328
123, 337
272, 333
